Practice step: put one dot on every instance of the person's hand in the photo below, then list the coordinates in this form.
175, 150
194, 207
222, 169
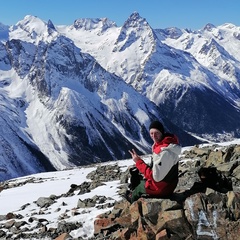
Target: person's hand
135, 157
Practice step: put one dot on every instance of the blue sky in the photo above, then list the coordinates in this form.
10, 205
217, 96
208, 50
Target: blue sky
191, 14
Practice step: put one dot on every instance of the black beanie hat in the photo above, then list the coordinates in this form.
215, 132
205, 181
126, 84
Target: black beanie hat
157, 125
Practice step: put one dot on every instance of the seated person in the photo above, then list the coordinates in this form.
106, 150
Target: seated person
161, 178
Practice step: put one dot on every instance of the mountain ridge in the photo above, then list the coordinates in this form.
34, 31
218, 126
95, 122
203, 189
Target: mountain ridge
87, 93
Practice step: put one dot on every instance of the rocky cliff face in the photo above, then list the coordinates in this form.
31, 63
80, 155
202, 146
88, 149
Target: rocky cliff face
198, 209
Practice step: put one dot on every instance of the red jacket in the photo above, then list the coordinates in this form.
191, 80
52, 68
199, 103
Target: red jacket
162, 177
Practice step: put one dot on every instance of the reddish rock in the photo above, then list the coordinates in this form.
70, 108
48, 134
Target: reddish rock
63, 236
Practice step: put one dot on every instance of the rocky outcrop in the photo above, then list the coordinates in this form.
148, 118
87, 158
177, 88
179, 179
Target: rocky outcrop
209, 215
204, 206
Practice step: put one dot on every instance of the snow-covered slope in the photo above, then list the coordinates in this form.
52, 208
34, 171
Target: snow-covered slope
191, 76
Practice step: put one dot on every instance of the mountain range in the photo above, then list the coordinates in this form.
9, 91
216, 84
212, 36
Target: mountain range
86, 93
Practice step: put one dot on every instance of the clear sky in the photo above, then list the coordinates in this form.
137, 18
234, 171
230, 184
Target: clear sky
191, 14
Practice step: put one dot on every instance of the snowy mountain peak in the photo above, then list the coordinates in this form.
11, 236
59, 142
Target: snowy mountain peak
30, 23
136, 21
230, 26
172, 32
32, 29
135, 30
50, 26
93, 23
209, 27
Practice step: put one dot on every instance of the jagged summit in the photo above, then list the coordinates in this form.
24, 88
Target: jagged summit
50, 24
135, 21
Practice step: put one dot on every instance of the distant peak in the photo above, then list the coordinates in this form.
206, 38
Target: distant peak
50, 25
93, 23
33, 28
173, 32
209, 27
228, 26
30, 20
